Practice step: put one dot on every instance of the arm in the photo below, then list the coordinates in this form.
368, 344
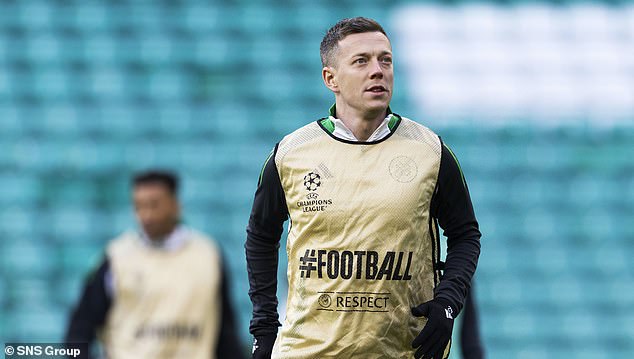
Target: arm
229, 345
263, 236
451, 205
90, 314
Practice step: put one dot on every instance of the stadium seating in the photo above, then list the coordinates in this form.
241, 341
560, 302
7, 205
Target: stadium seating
92, 91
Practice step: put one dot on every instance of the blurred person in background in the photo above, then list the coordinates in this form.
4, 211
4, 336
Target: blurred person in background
162, 290
366, 190
471, 346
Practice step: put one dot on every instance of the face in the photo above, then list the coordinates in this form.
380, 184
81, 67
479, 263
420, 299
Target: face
156, 209
362, 76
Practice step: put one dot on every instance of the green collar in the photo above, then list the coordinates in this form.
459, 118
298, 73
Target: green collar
330, 126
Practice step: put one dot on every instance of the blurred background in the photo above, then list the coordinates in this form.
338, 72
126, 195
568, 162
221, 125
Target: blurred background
535, 97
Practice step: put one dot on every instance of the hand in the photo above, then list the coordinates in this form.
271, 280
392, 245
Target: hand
433, 339
263, 346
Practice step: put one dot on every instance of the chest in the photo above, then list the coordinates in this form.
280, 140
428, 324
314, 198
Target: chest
359, 228
153, 274
333, 185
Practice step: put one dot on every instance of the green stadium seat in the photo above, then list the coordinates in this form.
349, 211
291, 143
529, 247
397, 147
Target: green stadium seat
134, 17
16, 222
105, 83
519, 324
27, 257
76, 224
165, 85
626, 323
39, 157
61, 119
121, 219
174, 120
126, 121
18, 189
100, 50
3, 296
492, 261
8, 18
42, 49
212, 222
68, 291
6, 86
502, 291
11, 125
37, 325
201, 191
580, 326
21, 81
202, 18
26, 291
143, 154
620, 293
205, 123
77, 259
35, 15
312, 20
82, 16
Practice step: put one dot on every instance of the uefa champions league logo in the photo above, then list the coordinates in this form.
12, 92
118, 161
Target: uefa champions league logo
312, 181
312, 203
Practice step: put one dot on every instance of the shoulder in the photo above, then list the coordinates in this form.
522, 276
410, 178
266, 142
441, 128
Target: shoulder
302, 135
415, 131
203, 242
410, 123
203, 252
310, 129
126, 242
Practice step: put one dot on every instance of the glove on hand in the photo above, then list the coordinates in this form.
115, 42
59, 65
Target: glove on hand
433, 339
263, 346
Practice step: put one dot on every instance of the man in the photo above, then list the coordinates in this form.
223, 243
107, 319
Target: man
161, 291
364, 189
470, 341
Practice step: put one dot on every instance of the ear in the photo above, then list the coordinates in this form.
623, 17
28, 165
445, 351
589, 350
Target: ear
328, 75
176, 205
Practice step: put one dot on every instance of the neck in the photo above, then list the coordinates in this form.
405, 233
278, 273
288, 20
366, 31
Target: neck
160, 238
361, 124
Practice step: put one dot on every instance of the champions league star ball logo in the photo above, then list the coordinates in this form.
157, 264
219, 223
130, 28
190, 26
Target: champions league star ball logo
312, 203
312, 181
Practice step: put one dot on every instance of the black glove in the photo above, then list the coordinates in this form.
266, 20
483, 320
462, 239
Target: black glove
433, 339
263, 346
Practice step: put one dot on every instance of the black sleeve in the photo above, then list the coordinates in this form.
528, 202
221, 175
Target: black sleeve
451, 205
229, 345
470, 340
90, 314
263, 236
